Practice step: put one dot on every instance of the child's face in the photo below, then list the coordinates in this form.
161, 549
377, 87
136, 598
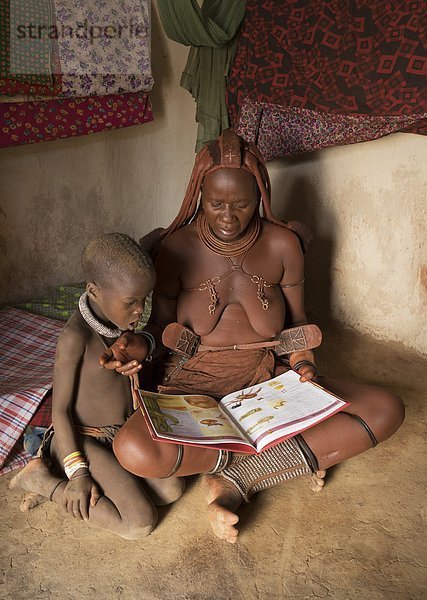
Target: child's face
122, 301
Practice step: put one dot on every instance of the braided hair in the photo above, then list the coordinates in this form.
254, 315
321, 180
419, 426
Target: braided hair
229, 151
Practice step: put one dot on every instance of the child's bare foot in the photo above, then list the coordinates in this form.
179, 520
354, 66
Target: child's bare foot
224, 499
317, 481
34, 477
31, 500
165, 491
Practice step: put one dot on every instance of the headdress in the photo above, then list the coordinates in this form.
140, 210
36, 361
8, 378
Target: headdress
232, 152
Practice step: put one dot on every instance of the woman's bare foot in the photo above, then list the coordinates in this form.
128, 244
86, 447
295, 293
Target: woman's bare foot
317, 481
165, 491
34, 477
224, 499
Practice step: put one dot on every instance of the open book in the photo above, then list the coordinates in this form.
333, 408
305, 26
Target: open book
248, 420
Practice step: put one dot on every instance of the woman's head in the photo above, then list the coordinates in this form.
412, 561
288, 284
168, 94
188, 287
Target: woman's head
228, 152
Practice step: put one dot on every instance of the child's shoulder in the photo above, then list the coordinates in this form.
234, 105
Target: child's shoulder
75, 334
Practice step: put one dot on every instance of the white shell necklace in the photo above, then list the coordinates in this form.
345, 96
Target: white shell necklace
93, 322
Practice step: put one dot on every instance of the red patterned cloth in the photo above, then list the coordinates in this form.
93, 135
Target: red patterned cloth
27, 354
40, 121
285, 130
347, 58
43, 415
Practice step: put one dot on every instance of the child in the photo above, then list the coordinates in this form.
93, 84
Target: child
77, 468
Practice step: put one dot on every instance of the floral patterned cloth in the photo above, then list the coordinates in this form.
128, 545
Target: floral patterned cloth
104, 46
30, 122
282, 131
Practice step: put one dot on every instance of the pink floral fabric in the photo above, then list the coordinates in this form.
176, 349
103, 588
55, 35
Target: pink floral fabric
31, 122
285, 130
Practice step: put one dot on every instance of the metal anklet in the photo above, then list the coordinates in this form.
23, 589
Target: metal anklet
221, 463
177, 462
365, 427
251, 473
55, 488
306, 450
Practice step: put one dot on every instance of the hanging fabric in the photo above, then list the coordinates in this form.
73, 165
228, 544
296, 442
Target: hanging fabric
41, 121
32, 67
312, 74
104, 47
211, 31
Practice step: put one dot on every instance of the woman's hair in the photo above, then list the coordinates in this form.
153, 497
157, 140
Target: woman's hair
111, 256
228, 151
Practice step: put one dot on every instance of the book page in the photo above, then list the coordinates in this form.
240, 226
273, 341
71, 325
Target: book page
193, 418
280, 408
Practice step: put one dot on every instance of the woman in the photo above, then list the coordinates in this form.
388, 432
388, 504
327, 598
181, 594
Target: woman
231, 282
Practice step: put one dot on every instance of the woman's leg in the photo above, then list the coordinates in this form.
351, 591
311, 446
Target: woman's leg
341, 436
338, 438
137, 452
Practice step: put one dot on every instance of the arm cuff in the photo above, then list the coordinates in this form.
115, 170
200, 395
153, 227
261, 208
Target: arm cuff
152, 343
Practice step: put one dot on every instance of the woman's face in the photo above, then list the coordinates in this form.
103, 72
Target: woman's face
229, 200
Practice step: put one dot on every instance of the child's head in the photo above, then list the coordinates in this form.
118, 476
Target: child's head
119, 275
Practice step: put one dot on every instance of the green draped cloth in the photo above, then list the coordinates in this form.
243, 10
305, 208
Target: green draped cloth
211, 31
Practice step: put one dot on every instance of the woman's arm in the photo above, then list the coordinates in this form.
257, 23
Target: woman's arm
292, 285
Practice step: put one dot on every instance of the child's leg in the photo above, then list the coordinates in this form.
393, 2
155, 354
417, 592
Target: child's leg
124, 507
165, 491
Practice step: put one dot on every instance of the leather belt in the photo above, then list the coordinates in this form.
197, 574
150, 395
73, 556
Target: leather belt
183, 341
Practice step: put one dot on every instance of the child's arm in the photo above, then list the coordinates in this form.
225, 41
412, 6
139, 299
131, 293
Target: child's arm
80, 489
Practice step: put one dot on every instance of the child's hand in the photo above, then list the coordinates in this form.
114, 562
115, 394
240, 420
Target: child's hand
126, 354
78, 494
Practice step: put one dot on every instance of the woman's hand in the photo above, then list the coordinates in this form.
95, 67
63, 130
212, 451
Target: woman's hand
302, 362
78, 495
126, 354
306, 372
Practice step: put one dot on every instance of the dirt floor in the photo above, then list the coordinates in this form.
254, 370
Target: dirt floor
363, 537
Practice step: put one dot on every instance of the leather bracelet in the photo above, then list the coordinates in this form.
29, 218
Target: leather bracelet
301, 363
148, 336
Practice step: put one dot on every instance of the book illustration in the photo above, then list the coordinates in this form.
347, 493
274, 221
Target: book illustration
201, 401
249, 395
173, 415
279, 404
211, 422
248, 420
258, 424
250, 413
160, 417
276, 385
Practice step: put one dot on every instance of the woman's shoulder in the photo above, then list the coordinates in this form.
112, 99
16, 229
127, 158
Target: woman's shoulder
180, 239
280, 234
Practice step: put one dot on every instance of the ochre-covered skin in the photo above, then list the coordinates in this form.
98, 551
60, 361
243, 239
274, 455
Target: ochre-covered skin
192, 276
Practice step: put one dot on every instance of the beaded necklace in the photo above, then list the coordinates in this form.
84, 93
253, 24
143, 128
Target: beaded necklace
93, 322
233, 248
228, 250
